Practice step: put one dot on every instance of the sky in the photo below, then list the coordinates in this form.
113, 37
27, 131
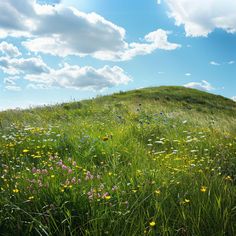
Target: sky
54, 51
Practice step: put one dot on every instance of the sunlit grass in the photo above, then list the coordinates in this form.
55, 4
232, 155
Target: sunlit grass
138, 163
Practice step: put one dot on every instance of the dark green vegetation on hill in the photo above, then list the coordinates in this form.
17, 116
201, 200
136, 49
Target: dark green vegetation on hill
156, 161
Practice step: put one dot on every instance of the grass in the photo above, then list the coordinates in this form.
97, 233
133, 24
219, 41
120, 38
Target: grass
156, 161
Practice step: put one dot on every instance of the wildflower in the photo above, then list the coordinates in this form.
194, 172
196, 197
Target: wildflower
186, 200
228, 178
52, 176
159, 142
15, 190
105, 138
25, 151
108, 197
203, 189
158, 192
114, 188
31, 197
44, 171
64, 167
89, 176
152, 224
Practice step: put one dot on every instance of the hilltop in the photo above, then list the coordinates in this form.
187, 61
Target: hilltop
165, 97
154, 161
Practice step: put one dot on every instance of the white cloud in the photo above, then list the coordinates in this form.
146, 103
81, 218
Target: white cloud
9, 50
123, 51
214, 63
37, 86
13, 88
62, 31
188, 74
15, 66
234, 98
73, 76
10, 80
201, 17
75, 32
16, 17
203, 85
155, 40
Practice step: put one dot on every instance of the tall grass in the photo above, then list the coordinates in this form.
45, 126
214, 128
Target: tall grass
138, 163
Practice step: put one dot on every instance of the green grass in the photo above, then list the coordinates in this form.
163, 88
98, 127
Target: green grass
156, 161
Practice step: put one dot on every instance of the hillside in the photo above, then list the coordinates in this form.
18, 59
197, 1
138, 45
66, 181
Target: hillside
154, 161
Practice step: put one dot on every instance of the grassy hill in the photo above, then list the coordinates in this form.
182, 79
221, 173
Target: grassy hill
155, 161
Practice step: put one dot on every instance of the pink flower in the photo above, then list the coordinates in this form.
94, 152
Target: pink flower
89, 176
44, 171
73, 180
64, 167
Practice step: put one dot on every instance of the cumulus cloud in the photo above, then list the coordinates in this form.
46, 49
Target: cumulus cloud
67, 31
155, 40
8, 49
203, 85
231, 62
62, 31
41, 76
201, 17
234, 98
188, 74
16, 17
15, 66
73, 76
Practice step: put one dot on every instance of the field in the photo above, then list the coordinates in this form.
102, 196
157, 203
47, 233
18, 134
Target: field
156, 161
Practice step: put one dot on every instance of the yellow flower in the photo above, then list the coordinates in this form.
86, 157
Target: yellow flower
203, 189
105, 138
25, 151
152, 224
31, 197
158, 192
108, 197
186, 200
228, 178
15, 190
52, 176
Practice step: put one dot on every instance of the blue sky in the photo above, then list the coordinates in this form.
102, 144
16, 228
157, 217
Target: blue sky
55, 51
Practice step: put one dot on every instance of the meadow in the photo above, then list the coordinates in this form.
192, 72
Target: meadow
155, 161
